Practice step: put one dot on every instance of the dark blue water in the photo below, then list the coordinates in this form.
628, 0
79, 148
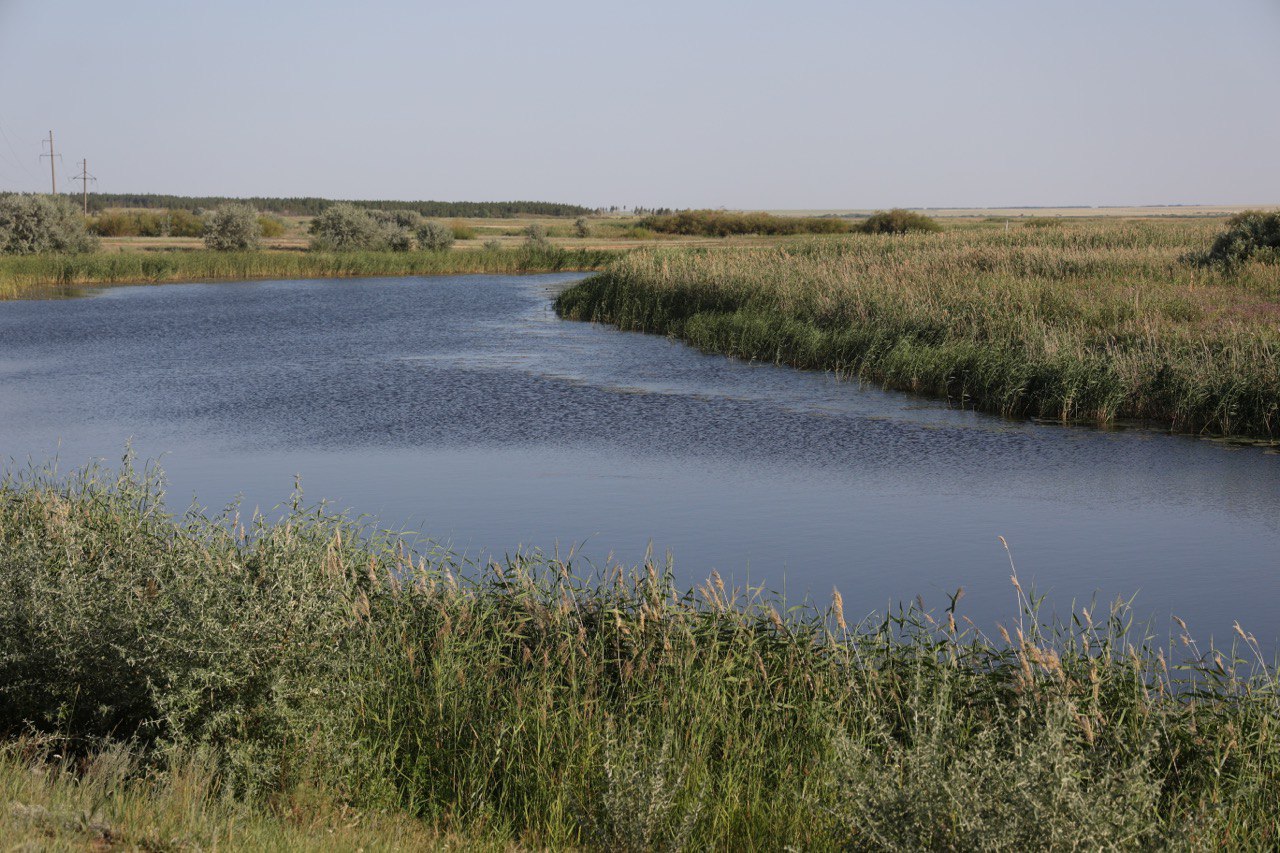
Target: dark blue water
462, 408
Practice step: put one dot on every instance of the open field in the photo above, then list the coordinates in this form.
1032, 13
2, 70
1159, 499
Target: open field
272, 679
1095, 322
1134, 212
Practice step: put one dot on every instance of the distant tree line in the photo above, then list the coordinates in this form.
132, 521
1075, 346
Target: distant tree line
312, 206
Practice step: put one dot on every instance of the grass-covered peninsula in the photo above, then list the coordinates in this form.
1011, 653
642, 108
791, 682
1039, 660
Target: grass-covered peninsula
215, 681
1095, 322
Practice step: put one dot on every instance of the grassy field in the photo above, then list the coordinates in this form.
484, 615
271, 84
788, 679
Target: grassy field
1093, 321
218, 681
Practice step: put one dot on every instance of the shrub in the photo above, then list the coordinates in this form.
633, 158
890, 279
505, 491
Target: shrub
434, 237
184, 223
271, 226
462, 231
40, 224
898, 221
147, 223
398, 227
346, 228
581, 228
1251, 235
232, 228
116, 223
536, 232
492, 245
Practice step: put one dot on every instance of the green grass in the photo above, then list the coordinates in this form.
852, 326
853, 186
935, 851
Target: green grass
32, 274
1092, 322
250, 667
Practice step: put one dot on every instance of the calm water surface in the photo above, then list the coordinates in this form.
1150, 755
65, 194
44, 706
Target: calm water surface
462, 408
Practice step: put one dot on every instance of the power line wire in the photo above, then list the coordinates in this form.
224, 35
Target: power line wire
16, 158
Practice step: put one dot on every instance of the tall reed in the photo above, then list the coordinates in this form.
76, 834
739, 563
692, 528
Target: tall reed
529, 701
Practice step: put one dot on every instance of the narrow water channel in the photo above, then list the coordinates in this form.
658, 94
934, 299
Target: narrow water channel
462, 408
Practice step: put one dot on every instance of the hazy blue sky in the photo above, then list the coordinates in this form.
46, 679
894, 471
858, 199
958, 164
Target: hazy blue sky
802, 104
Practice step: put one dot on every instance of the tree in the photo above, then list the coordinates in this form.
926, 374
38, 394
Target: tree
581, 228
232, 228
434, 237
40, 224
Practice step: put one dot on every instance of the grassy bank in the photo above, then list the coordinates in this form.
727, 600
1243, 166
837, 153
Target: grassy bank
1092, 321
24, 275
266, 678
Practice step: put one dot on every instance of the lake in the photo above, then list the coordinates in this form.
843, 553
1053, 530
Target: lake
461, 408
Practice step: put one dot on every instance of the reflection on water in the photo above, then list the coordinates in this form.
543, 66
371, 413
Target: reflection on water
462, 408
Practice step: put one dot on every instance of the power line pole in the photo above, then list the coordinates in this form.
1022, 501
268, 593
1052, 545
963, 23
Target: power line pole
85, 178
53, 174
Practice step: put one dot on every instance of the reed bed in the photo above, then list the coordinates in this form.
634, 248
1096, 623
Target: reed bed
537, 702
1093, 322
36, 274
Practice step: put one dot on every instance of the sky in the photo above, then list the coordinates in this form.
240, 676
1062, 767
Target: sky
807, 104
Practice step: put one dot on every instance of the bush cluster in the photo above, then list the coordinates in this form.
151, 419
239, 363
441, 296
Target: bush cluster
42, 224
344, 227
147, 223
719, 223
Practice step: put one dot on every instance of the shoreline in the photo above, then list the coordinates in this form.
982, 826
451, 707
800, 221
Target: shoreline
38, 275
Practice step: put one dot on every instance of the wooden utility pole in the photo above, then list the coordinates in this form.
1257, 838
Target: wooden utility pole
53, 173
85, 178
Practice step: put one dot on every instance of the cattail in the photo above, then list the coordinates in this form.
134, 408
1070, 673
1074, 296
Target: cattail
837, 607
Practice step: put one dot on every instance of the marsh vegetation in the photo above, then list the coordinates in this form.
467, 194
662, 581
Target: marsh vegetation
248, 675
35, 274
1091, 322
